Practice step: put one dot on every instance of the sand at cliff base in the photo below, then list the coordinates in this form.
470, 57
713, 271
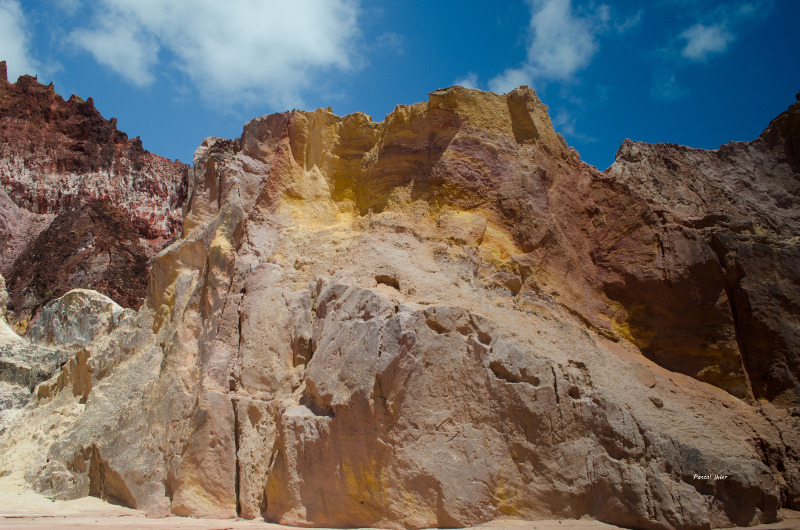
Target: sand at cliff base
23, 508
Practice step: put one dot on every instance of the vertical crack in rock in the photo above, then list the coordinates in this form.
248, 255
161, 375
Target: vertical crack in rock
218, 180
234, 375
731, 279
737, 330
237, 432
662, 239
555, 387
243, 292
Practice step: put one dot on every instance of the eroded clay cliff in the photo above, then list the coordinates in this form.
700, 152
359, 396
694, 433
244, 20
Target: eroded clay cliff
61, 160
446, 318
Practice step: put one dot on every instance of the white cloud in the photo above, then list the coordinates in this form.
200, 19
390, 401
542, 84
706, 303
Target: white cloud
704, 41
714, 30
122, 48
468, 81
246, 51
561, 42
511, 79
14, 41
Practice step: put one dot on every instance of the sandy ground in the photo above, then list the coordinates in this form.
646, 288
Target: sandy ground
23, 508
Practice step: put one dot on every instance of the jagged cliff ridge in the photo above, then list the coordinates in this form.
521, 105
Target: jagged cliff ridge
441, 319
56, 158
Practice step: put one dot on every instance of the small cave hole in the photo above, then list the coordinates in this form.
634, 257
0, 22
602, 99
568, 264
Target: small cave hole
484, 338
385, 279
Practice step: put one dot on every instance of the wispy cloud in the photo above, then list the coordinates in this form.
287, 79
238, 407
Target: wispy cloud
561, 42
126, 49
468, 81
704, 41
70, 7
15, 41
710, 32
244, 51
666, 87
713, 31
511, 79
564, 122
390, 41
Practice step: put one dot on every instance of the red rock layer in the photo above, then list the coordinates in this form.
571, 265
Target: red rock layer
92, 247
57, 156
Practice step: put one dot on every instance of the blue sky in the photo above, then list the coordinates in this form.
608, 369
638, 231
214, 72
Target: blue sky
173, 71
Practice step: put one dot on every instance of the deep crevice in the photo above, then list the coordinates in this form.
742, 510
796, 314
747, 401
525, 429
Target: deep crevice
743, 356
106, 483
720, 251
236, 434
555, 385
232, 376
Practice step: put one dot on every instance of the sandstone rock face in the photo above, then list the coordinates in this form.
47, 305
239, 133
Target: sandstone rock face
61, 159
436, 320
732, 215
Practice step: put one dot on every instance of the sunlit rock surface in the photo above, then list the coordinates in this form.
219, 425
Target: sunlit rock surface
442, 319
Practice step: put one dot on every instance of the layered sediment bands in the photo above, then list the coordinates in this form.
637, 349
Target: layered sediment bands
438, 320
57, 154
57, 157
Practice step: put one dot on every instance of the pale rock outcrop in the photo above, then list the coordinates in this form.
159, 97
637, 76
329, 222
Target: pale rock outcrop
6, 333
3, 296
435, 320
74, 320
12, 394
54, 354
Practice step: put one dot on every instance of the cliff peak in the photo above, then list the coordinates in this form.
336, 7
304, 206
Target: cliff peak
56, 157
